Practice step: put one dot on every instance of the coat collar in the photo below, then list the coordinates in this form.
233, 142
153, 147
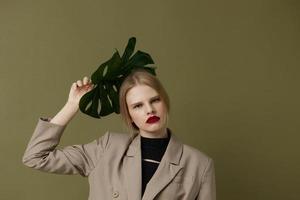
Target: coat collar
167, 169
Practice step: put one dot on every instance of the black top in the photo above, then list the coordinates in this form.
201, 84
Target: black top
154, 149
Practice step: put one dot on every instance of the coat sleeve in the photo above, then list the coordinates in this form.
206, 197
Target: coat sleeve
41, 152
208, 184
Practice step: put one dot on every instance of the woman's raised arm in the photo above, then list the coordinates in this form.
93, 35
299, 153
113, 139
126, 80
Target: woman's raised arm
78, 89
41, 152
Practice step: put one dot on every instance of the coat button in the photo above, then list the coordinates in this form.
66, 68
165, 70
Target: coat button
115, 194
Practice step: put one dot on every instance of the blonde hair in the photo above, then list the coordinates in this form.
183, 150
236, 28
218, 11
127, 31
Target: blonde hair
139, 77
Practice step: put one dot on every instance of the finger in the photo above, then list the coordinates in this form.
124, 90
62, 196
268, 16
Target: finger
74, 86
85, 80
79, 83
90, 87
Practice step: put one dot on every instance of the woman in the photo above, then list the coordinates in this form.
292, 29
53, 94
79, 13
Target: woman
150, 163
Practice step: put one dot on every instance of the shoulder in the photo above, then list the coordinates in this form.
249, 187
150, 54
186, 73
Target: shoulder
116, 138
196, 157
195, 153
195, 161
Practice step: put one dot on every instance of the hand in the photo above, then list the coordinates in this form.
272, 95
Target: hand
78, 89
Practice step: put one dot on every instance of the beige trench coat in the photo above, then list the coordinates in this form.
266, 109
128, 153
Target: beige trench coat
112, 164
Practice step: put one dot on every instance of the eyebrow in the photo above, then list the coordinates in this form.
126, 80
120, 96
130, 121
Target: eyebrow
152, 98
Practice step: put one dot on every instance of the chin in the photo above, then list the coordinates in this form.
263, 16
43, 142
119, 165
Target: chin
154, 129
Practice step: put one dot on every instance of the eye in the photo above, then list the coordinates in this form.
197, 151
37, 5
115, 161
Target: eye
156, 100
137, 106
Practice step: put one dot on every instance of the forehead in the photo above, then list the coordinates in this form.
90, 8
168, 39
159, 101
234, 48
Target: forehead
140, 93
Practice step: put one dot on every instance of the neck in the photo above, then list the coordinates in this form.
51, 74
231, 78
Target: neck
158, 134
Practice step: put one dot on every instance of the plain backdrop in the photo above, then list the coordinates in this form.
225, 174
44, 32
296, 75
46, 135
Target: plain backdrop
231, 69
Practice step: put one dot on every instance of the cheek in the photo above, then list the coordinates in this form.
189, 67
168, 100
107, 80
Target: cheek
162, 108
131, 115
134, 115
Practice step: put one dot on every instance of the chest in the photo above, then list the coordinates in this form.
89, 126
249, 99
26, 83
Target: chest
120, 177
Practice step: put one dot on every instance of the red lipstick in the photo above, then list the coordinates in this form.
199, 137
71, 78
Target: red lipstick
152, 119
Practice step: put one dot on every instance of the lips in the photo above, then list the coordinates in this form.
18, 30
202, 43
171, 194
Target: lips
152, 119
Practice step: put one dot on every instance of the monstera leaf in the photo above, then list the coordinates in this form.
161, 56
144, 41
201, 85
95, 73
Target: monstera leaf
103, 99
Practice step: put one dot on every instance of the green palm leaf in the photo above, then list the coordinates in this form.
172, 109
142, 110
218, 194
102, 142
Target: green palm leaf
103, 99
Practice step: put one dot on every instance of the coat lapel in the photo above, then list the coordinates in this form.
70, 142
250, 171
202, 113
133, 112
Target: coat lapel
166, 171
133, 169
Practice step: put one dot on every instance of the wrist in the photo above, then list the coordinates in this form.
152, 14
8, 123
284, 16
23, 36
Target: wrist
72, 105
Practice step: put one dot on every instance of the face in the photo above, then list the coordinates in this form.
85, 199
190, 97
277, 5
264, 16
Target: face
144, 102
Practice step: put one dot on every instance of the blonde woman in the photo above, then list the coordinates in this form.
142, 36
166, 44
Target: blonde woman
148, 163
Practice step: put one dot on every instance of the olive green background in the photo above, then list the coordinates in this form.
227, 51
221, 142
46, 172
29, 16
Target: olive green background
231, 69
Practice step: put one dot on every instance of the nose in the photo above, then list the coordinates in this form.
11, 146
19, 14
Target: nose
150, 109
